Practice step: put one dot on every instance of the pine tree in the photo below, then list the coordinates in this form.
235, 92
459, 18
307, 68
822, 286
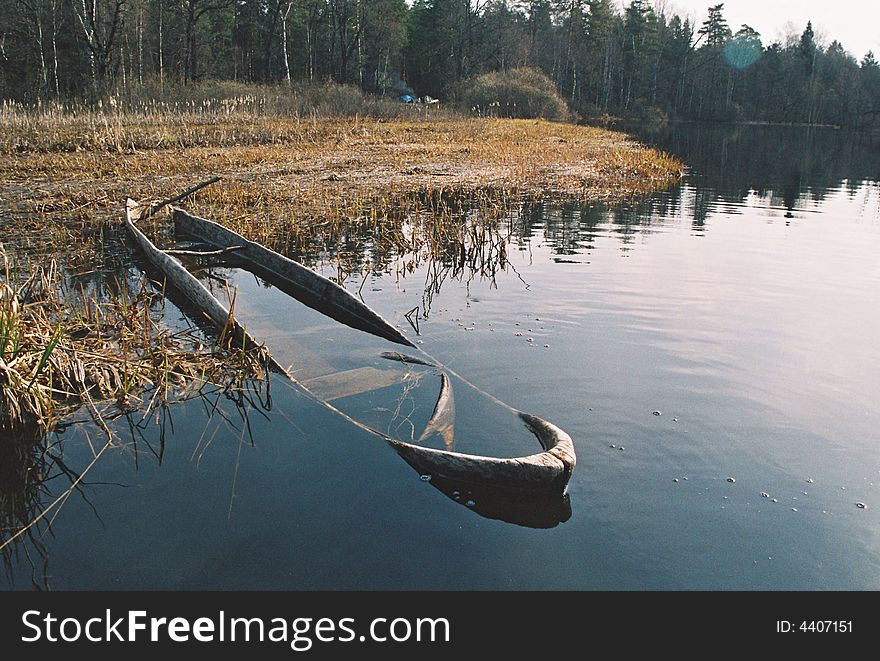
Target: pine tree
715, 28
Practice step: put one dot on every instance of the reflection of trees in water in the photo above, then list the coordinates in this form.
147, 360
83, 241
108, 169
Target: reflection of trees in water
783, 163
788, 167
460, 235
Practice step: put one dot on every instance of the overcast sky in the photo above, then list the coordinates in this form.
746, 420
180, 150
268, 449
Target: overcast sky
854, 23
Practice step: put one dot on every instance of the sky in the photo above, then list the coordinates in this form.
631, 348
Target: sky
854, 23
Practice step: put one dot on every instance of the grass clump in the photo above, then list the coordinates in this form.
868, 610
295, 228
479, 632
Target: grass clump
522, 93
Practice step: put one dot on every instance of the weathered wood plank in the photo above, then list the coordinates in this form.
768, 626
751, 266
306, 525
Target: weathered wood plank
311, 288
306, 364
546, 472
188, 285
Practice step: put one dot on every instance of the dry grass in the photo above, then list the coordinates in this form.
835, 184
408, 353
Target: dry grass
289, 182
373, 155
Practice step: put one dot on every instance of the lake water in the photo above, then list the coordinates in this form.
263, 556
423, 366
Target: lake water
743, 306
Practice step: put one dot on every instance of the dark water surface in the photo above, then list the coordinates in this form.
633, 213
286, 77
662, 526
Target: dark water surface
744, 306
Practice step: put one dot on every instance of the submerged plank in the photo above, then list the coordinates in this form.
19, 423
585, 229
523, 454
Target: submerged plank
306, 364
442, 420
404, 358
351, 382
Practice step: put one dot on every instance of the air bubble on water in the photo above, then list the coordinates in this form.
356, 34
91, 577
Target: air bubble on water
471, 502
425, 478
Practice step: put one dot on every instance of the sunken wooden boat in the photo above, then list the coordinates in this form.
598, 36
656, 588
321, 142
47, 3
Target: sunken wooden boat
544, 474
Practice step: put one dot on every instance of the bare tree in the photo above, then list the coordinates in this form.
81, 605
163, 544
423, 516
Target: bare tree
54, 9
100, 21
192, 12
161, 4
284, 16
34, 10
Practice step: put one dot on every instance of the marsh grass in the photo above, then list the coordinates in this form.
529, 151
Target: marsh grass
84, 162
62, 350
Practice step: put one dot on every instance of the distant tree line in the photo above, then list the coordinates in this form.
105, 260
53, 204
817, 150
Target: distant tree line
640, 61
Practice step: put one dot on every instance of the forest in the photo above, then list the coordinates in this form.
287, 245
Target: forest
634, 59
